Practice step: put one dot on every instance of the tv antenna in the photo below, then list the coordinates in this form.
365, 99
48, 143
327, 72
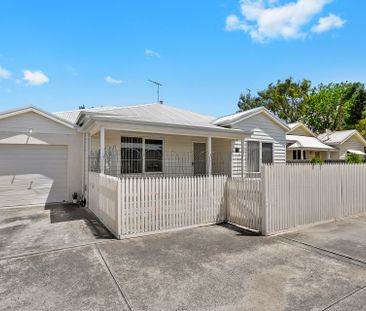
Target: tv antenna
158, 85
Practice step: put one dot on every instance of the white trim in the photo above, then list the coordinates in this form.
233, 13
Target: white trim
38, 111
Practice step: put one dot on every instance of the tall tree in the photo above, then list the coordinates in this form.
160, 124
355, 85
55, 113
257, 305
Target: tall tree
335, 106
287, 99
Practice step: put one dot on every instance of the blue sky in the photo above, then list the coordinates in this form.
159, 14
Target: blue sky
61, 54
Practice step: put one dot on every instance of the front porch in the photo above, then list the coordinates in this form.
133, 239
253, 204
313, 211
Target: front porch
122, 153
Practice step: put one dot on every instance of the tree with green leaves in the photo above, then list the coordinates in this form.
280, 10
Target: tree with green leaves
287, 99
335, 106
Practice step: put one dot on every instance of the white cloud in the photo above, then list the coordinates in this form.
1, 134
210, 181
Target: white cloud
110, 80
328, 22
233, 23
149, 52
35, 77
4, 74
271, 19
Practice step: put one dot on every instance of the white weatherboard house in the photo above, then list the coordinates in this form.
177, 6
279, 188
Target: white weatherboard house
46, 157
266, 142
303, 145
349, 141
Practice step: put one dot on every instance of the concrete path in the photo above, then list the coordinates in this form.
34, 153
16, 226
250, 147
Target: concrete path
345, 237
208, 268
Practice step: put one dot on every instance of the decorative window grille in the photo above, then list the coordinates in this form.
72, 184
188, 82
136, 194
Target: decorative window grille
131, 155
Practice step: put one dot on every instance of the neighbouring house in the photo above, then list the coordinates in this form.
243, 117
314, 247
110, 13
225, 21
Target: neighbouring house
303, 145
349, 141
46, 157
265, 143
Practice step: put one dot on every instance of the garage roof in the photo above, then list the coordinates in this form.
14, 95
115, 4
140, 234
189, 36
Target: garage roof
27, 109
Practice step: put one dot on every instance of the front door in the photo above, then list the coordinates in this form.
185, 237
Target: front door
199, 158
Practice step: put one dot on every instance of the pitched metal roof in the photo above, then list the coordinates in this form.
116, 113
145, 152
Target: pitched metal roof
306, 142
236, 117
339, 137
154, 112
73, 115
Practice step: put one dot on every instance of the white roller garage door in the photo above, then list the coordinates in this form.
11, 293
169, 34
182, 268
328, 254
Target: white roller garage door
31, 174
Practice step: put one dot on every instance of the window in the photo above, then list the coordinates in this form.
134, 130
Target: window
140, 155
253, 154
296, 154
153, 155
131, 155
267, 153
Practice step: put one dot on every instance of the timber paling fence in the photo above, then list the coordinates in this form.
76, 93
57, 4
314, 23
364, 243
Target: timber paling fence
284, 197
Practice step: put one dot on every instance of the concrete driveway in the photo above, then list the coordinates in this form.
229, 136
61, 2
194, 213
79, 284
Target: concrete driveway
208, 268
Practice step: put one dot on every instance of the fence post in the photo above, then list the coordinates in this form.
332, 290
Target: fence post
264, 205
119, 209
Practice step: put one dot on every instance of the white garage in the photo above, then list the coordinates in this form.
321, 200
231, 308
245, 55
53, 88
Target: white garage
32, 174
40, 158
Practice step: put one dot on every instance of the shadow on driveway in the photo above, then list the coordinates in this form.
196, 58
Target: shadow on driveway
39, 228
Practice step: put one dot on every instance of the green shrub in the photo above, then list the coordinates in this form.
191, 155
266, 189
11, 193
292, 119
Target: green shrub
316, 160
353, 158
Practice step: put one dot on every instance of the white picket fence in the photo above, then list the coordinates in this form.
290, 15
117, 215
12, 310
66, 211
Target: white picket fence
285, 197
244, 202
137, 206
164, 203
104, 200
298, 195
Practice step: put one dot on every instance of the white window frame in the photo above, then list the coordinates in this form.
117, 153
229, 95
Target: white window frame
260, 153
144, 138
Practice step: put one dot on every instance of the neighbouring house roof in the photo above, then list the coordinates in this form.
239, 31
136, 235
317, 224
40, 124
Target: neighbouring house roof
296, 125
306, 142
356, 152
232, 119
27, 109
155, 114
339, 137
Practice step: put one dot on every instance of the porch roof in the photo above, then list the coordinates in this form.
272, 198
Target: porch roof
157, 118
306, 142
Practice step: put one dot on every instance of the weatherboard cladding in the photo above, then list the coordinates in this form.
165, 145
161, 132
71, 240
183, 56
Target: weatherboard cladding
265, 130
351, 144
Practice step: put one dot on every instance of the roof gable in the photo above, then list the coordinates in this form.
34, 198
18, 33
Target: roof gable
340, 137
241, 116
298, 127
32, 109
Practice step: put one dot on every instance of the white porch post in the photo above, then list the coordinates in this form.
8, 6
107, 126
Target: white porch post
209, 156
102, 149
242, 158
328, 155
